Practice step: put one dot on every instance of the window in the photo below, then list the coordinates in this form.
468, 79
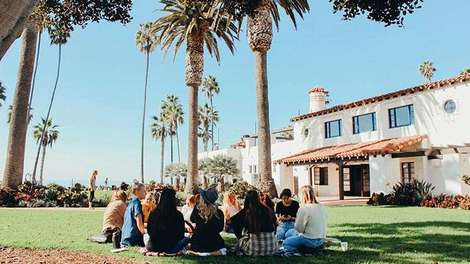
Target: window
364, 123
407, 172
450, 106
306, 132
401, 116
333, 129
255, 169
320, 175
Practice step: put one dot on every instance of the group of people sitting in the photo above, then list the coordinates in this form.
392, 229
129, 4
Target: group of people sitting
157, 226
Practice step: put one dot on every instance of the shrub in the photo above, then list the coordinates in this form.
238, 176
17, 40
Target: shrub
241, 188
405, 194
465, 203
466, 179
8, 198
181, 198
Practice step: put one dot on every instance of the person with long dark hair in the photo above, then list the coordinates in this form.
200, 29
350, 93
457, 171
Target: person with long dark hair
166, 226
255, 226
286, 212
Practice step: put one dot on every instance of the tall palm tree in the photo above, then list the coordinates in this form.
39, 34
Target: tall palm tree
59, 36
174, 115
210, 87
2, 93
51, 134
207, 117
192, 22
10, 114
261, 14
14, 166
427, 70
160, 132
146, 42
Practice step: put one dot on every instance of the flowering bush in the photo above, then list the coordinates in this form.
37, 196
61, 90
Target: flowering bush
447, 201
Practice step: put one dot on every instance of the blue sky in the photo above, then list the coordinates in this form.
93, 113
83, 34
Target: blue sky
98, 103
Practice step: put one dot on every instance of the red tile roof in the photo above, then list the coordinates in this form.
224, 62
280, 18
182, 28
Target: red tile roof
423, 87
356, 150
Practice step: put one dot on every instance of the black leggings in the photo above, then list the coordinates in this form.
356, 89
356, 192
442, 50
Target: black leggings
92, 196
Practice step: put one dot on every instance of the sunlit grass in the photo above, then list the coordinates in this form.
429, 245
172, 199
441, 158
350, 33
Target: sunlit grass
375, 235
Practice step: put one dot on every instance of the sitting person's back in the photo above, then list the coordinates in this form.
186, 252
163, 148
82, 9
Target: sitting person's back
310, 225
113, 217
209, 223
255, 228
166, 226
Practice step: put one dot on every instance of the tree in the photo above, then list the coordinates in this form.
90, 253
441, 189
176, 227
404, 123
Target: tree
160, 131
59, 16
261, 14
210, 87
3, 90
174, 116
13, 174
427, 70
466, 71
146, 42
177, 172
192, 22
51, 134
207, 116
220, 167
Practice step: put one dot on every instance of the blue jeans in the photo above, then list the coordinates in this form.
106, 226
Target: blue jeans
282, 229
180, 245
295, 241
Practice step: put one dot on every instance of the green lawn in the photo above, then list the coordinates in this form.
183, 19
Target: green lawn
375, 235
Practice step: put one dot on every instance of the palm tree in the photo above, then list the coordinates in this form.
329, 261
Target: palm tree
466, 71
210, 87
427, 70
2, 93
261, 14
174, 115
49, 134
14, 166
207, 117
220, 167
59, 37
146, 42
160, 131
192, 22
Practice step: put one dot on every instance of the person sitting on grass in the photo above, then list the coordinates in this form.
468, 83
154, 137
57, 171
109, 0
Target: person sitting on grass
255, 226
310, 226
133, 229
209, 220
187, 210
113, 218
166, 226
230, 208
286, 211
148, 205
266, 200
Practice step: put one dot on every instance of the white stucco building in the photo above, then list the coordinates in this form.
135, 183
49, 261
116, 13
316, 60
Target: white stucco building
369, 145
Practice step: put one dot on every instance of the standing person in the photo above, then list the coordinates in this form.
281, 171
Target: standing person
166, 226
255, 228
92, 188
209, 222
230, 208
286, 212
310, 225
133, 229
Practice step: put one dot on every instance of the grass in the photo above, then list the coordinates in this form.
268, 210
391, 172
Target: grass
375, 235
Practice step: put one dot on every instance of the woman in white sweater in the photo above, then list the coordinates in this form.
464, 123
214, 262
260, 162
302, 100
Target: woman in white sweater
310, 224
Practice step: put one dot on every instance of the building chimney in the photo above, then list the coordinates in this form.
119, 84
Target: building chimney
318, 99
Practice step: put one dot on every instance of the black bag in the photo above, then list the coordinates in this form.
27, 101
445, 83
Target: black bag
117, 239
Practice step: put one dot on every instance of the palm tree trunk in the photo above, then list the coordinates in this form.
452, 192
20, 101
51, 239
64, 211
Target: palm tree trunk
162, 156
260, 39
194, 72
14, 166
33, 85
13, 20
171, 147
212, 125
178, 144
264, 134
143, 118
41, 178
49, 109
192, 141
